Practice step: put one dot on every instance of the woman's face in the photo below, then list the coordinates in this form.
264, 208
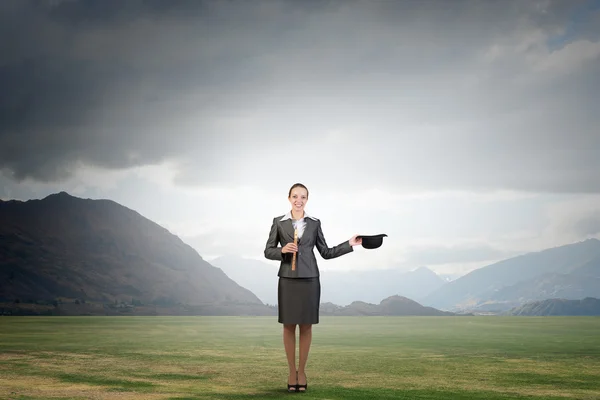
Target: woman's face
298, 199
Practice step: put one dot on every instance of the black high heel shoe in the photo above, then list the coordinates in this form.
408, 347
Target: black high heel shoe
305, 386
294, 387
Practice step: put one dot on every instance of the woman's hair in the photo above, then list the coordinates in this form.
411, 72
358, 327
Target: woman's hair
295, 185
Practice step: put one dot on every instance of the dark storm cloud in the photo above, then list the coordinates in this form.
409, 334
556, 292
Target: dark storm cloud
224, 87
110, 81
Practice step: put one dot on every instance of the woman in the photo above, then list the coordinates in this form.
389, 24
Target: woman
299, 289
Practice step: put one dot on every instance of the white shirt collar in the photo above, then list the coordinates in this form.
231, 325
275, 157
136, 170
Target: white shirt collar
289, 216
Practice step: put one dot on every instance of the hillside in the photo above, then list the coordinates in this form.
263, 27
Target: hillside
372, 285
62, 248
391, 306
559, 307
548, 286
591, 268
257, 276
516, 280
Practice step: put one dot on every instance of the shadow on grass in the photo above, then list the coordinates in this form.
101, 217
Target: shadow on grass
173, 376
178, 377
120, 384
580, 381
328, 392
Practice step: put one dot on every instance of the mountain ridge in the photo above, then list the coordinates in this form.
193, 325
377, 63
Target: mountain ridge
64, 255
480, 286
101, 251
94, 256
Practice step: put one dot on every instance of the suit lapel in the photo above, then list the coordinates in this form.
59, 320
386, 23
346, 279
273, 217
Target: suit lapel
288, 228
308, 229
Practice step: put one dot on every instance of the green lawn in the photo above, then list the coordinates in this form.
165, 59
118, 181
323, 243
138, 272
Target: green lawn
351, 358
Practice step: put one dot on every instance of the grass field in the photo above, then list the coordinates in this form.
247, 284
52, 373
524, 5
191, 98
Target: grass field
351, 358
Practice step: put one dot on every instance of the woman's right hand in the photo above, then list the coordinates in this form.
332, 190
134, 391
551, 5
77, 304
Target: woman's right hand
289, 248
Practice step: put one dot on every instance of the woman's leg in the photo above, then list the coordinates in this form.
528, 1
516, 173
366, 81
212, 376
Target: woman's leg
289, 342
305, 340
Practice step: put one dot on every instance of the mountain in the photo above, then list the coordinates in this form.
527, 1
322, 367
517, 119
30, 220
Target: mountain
344, 287
256, 276
63, 248
339, 287
590, 268
448, 277
569, 270
565, 286
559, 307
391, 306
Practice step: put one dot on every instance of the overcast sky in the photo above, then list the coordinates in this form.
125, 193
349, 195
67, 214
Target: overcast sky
468, 131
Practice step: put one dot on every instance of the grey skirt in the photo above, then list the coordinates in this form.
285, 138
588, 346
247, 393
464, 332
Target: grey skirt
299, 300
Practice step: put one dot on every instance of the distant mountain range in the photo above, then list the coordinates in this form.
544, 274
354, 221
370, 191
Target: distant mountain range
63, 255
71, 256
570, 272
338, 287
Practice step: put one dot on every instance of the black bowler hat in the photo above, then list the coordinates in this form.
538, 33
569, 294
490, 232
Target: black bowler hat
372, 241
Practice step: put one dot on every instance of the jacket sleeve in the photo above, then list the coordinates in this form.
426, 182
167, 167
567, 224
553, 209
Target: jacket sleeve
272, 248
331, 252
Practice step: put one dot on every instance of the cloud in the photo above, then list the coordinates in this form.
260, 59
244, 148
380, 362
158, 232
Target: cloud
589, 226
574, 219
449, 232
416, 95
467, 253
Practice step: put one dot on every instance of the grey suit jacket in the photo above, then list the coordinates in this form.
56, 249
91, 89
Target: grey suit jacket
282, 233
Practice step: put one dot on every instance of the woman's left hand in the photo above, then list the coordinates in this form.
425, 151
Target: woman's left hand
354, 241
